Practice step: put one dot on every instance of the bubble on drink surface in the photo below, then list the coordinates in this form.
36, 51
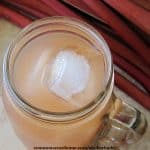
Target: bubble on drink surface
69, 74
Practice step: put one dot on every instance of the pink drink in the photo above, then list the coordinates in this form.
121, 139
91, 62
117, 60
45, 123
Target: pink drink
35, 70
35, 62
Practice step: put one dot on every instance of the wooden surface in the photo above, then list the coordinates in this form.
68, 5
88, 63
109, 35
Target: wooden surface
8, 139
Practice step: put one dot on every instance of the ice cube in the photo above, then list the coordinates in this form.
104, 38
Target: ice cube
69, 74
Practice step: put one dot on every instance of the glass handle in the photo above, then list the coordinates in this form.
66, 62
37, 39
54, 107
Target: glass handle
124, 125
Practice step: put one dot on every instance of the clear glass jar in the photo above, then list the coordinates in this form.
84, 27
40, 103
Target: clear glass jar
100, 123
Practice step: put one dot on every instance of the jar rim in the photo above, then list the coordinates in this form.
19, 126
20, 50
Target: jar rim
57, 116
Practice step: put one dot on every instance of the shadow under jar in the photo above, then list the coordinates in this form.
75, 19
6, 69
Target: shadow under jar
58, 83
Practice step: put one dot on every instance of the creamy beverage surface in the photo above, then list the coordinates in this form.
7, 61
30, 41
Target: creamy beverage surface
59, 72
